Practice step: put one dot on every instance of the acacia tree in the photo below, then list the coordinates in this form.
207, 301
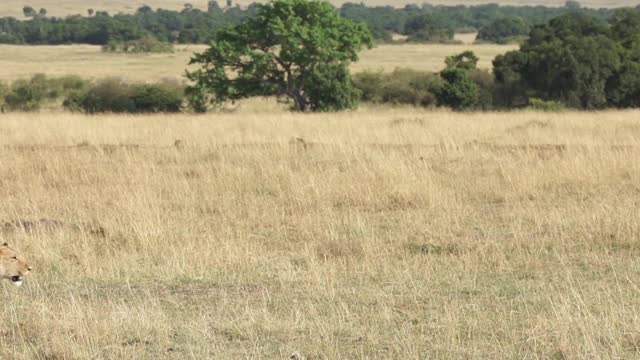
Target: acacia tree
459, 91
300, 49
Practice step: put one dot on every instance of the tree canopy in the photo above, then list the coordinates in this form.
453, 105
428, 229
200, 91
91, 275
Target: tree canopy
576, 59
459, 91
193, 25
429, 28
294, 48
504, 30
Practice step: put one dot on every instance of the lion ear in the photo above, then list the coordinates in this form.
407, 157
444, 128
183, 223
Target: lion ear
5, 244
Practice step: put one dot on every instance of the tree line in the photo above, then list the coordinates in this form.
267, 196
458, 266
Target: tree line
300, 50
438, 23
424, 23
190, 25
575, 59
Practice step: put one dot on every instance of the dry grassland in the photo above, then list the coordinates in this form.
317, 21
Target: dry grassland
466, 38
71, 7
89, 61
388, 233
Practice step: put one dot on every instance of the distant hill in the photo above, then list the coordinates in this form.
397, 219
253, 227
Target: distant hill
70, 7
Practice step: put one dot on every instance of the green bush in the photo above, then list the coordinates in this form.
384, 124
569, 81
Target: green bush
108, 95
114, 95
429, 28
71, 83
157, 98
370, 84
330, 88
545, 105
486, 88
29, 95
402, 86
147, 44
459, 91
504, 30
63, 86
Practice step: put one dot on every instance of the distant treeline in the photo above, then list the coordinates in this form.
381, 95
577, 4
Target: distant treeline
190, 25
575, 61
438, 23
424, 23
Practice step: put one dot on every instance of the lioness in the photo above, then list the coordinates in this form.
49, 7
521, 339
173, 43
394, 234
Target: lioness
12, 266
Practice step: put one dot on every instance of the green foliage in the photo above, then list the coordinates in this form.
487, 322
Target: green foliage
429, 28
30, 95
466, 60
459, 91
197, 98
485, 84
157, 98
460, 86
497, 23
192, 25
100, 28
370, 84
504, 30
147, 44
330, 89
213, 7
577, 60
623, 88
69, 84
402, 86
545, 105
29, 11
511, 89
108, 95
114, 95
279, 52
625, 27
24, 96
572, 4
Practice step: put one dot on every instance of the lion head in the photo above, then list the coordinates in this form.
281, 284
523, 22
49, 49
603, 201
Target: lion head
12, 266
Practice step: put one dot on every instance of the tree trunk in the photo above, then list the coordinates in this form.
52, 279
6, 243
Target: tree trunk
301, 101
296, 93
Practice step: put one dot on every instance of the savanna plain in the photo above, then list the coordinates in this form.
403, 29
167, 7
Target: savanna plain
380, 233
90, 62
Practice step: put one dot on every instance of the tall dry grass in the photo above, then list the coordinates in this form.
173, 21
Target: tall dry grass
388, 233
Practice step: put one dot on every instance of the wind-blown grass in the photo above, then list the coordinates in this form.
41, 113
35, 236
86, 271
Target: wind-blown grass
383, 233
